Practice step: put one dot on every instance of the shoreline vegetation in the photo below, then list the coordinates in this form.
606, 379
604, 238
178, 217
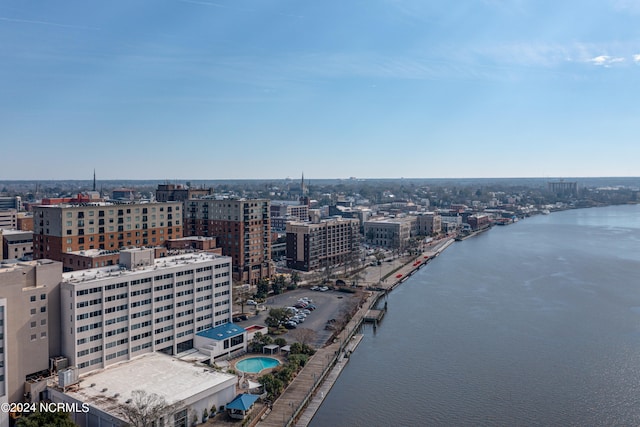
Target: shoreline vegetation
292, 406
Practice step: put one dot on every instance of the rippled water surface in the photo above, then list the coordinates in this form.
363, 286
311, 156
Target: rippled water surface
535, 323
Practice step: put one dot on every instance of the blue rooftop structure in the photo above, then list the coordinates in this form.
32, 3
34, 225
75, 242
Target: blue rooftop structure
222, 332
242, 402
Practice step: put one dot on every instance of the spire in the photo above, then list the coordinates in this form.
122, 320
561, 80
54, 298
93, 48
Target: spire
94, 180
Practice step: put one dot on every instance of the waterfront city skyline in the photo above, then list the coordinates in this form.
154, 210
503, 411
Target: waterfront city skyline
205, 89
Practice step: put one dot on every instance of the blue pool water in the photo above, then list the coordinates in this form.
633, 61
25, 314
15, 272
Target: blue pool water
254, 365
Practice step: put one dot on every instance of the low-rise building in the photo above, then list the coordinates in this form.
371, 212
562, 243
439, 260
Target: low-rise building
187, 389
16, 244
392, 233
429, 223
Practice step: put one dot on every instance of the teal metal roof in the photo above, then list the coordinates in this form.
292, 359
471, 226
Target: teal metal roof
222, 332
242, 402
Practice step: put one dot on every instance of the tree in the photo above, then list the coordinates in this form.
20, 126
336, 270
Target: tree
144, 408
295, 278
263, 288
46, 419
272, 385
278, 284
303, 335
276, 315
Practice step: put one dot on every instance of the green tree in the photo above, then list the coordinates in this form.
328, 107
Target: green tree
278, 284
276, 315
263, 288
272, 385
46, 419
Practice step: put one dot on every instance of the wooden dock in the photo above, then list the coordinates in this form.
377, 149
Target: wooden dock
373, 316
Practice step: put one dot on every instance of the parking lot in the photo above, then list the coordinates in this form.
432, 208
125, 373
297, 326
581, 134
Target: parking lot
330, 305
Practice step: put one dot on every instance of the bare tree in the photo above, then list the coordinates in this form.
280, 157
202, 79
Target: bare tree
303, 335
144, 408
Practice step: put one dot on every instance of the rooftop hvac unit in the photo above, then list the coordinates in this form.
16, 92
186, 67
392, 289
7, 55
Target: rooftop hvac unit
59, 363
67, 377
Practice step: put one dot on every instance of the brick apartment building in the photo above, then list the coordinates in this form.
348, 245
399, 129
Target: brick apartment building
311, 246
243, 229
64, 228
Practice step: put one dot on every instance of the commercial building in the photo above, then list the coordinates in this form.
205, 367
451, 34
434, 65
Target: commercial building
332, 241
60, 229
479, 221
25, 221
112, 314
30, 324
243, 229
563, 188
286, 208
8, 219
14, 202
180, 193
16, 244
392, 233
187, 389
429, 223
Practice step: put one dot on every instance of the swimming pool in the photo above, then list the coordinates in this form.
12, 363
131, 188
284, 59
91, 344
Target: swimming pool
254, 365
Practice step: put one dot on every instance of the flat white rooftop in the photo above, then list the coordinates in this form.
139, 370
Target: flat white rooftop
158, 264
157, 373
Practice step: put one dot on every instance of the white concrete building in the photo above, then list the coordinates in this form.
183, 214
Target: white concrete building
188, 390
113, 314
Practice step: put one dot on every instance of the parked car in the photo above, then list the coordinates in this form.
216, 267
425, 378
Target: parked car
314, 288
306, 311
323, 289
290, 325
311, 307
251, 302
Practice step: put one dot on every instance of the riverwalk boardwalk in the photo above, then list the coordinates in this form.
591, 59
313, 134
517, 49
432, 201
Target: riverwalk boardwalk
299, 402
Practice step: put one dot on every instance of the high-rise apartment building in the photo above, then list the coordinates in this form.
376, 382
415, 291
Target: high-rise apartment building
243, 229
64, 228
332, 241
30, 324
113, 314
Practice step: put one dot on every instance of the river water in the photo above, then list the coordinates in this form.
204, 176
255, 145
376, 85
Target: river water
535, 323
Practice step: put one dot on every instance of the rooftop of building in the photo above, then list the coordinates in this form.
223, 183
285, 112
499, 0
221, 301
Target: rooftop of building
191, 238
168, 377
11, 264
110, 203
81, 276
222, 332
10, 232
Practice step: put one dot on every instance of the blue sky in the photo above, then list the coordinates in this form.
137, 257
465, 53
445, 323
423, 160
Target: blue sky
199, 89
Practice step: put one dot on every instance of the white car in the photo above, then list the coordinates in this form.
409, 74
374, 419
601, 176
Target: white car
251, 302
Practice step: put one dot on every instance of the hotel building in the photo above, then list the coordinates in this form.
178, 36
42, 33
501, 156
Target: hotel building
144, 305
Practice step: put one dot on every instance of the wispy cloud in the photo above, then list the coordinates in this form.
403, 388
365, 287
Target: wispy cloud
53, 24
235, 8
605, 60
636, 58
